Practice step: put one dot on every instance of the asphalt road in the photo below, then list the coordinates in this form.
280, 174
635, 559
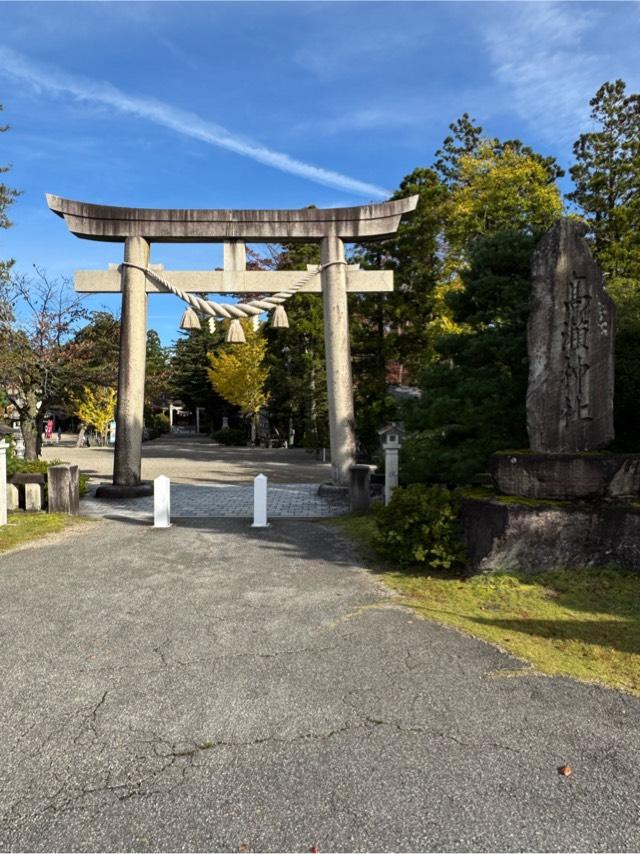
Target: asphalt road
214, 687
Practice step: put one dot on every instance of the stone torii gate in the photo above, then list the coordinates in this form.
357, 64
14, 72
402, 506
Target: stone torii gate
137, 228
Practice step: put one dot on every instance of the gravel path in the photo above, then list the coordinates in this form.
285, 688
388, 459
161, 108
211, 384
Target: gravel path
193, 459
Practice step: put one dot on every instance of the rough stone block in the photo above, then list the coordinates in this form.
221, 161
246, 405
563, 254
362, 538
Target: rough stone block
63, 488
567, 476
74, 490
570, 338
360, 488
503, 536
32, 497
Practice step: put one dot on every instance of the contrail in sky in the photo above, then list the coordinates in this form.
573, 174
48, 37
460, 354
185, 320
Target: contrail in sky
182, 121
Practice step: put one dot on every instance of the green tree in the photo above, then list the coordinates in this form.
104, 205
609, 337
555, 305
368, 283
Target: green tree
466, 138
97, 346
238, 372
606, 175
499, 190
7, 197
392, 333
473, 397
297, 381
188, 373
157, 374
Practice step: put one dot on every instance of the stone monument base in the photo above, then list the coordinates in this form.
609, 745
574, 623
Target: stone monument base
115, 491
589, 475
505, 533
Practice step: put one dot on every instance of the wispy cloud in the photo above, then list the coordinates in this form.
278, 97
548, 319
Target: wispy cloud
539, 52
367, 119
56, 82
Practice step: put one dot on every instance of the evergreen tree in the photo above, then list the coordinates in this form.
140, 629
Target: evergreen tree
607, 193
607, 183
473, 397
157, 374
188, 373
297, 382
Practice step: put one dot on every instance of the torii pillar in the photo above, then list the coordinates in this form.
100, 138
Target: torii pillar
137, 228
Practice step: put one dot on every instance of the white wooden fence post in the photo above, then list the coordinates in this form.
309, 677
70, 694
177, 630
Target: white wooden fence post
260, 502
3, 482
162, 502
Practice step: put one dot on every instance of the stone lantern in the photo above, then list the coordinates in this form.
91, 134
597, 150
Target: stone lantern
391, 437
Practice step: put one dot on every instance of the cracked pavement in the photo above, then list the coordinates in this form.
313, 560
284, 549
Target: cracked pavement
216, 687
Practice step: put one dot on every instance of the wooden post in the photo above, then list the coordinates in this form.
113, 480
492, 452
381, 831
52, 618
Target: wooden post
338, 359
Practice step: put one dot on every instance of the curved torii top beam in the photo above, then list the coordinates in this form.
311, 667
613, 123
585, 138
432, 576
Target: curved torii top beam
115, 224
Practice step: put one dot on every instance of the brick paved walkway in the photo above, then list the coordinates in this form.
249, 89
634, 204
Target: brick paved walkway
284, 500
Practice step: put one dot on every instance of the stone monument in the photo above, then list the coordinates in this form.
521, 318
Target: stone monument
570, 338
577, 508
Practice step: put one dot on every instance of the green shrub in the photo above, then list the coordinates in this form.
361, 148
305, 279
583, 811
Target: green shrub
161, 423
230, 436
420, 525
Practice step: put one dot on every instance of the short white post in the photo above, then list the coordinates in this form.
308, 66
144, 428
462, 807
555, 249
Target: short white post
3, 482
390, 472
162, 502
260, 502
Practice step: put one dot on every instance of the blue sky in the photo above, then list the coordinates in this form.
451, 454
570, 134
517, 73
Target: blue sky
274, 104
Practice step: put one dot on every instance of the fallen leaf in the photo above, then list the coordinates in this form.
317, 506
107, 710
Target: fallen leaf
564, 770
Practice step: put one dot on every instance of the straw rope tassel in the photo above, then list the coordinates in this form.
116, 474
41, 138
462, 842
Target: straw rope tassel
279, 319
190, 320
235, 333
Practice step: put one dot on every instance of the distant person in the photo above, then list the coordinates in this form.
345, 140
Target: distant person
59, 433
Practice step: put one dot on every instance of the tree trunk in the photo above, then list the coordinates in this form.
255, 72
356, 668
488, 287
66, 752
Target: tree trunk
30, 434
254, 427
31, 421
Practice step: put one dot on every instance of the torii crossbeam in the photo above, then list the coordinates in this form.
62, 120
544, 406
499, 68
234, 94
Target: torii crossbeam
137, 228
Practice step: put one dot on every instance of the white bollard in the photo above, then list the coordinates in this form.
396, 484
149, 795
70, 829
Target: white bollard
3, 482
260, 502
162, 502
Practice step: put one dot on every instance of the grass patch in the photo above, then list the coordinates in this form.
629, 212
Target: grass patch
583, 623
24, 527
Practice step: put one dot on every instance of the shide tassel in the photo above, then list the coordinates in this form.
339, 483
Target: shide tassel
190, 320
235, 333
280, 319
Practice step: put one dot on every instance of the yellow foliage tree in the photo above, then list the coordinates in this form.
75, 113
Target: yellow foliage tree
96, 407
238, 373
506, 190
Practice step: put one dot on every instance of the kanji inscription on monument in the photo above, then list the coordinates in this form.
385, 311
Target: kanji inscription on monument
571, 336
